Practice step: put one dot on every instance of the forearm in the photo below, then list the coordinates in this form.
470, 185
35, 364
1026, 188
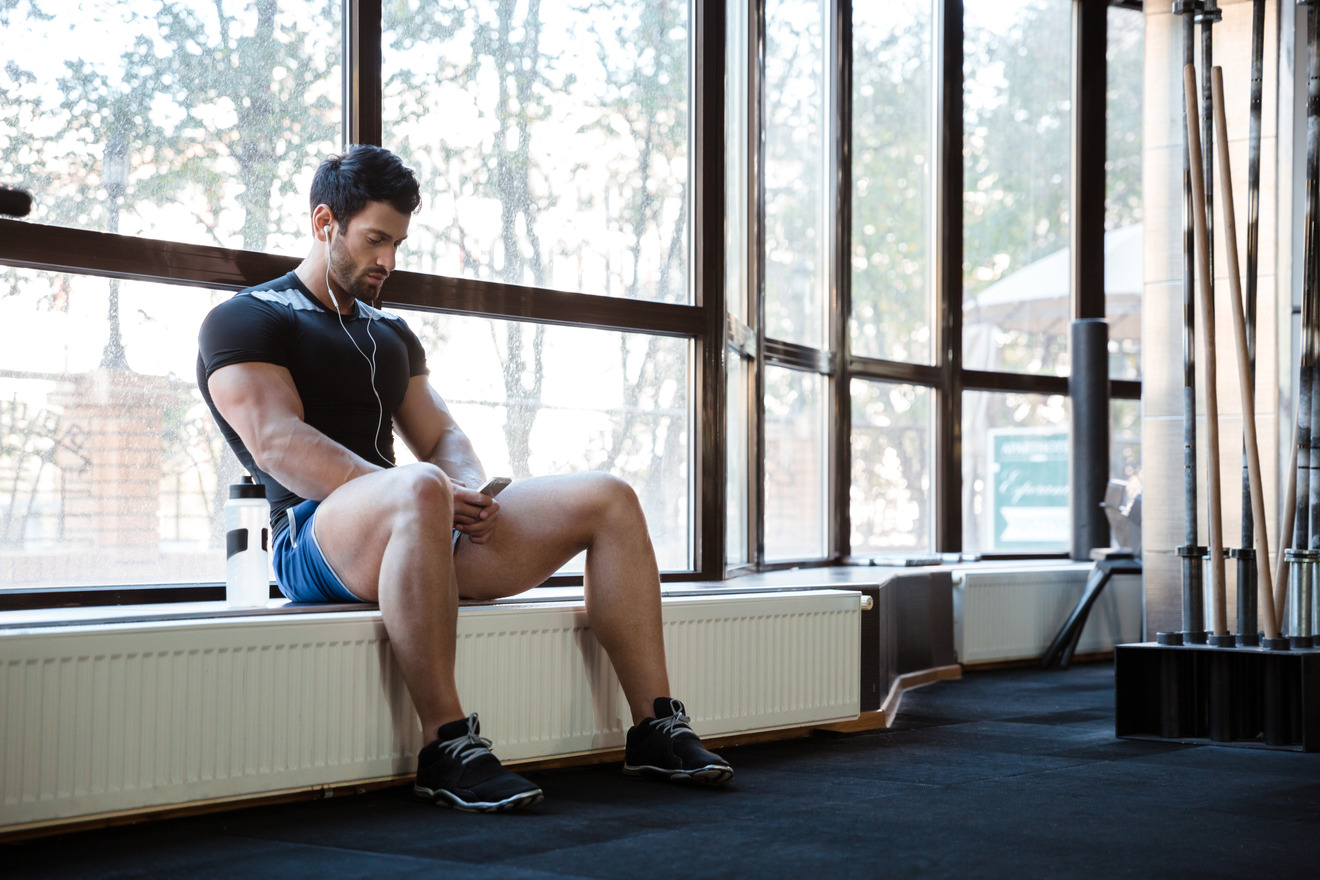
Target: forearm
453, 454
306, 461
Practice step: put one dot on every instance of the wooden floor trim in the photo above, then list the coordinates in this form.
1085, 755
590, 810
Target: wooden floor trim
884, 717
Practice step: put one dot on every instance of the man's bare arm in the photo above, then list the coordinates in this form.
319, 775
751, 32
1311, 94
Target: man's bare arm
426, 425
261, 403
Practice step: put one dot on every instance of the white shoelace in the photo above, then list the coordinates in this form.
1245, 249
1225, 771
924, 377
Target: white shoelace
475, 745
676, 723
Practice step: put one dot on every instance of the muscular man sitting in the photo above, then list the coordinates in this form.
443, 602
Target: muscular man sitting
309, 382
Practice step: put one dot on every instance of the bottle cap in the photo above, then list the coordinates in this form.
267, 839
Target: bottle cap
247, 489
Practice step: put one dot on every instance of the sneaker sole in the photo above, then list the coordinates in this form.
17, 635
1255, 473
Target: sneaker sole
449, 799
711, 774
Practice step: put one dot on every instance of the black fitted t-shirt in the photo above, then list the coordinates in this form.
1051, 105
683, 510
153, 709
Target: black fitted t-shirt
281, 323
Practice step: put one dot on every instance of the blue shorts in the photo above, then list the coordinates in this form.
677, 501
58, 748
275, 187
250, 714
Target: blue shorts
301, 570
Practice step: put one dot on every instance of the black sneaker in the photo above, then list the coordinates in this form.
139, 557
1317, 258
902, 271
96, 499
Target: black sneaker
665, 747
459, 770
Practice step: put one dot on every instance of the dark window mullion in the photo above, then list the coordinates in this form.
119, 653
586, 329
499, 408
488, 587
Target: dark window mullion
799, 357
1028, 383
362, 72
710, 408
948, 284
1090, 83
839, 540
895, 371
83, 252
1022, 383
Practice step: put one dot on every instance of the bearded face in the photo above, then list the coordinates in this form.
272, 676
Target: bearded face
360, 279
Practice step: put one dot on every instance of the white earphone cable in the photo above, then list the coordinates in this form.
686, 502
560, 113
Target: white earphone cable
371, 361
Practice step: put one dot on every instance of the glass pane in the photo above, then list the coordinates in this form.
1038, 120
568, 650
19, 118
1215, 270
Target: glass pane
1125, 462
551, 141
1015, 473
735, 162
893, 95
796, 170
891, 485
1124, 247
113, 471
537, 399
795, 489
738, 467
1017, 96
192, 120
1125, 440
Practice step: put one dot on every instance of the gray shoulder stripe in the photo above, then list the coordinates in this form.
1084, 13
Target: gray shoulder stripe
288, 297
367, 311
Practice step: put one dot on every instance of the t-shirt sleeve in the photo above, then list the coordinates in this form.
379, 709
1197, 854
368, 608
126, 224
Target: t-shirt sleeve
416, 353
244, 329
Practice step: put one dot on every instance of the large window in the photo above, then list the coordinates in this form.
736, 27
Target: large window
553, 144
797, 270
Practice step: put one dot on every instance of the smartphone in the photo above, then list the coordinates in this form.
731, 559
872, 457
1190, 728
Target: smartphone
495, 486
492, 488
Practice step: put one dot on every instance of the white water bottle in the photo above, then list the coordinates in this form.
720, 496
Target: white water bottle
247, 545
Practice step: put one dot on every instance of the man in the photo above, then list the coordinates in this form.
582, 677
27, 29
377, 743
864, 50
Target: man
309, 383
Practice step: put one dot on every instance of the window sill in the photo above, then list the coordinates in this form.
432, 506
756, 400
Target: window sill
842, 576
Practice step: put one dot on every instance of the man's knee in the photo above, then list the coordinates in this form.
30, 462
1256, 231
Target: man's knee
613, 496
425, 491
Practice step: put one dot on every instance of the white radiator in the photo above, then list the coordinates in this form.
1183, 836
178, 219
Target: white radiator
1014, 614
141, 715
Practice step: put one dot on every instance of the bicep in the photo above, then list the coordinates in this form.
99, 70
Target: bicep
253, 397
423, 418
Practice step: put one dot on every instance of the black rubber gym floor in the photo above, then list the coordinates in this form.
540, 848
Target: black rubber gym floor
1002, 774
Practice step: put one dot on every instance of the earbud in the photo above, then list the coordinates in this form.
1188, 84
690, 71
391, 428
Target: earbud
325, 230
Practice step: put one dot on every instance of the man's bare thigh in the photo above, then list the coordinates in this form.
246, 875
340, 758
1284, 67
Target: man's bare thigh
543, 523
356, 522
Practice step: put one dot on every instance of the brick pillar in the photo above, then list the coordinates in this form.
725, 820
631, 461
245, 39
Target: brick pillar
114, 502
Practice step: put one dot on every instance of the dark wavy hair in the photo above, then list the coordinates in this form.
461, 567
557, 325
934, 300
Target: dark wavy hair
364, 174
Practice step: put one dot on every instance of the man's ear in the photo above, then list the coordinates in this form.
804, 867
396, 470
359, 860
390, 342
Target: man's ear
322, 220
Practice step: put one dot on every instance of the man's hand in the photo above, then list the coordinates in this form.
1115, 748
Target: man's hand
426, 425
475, 515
